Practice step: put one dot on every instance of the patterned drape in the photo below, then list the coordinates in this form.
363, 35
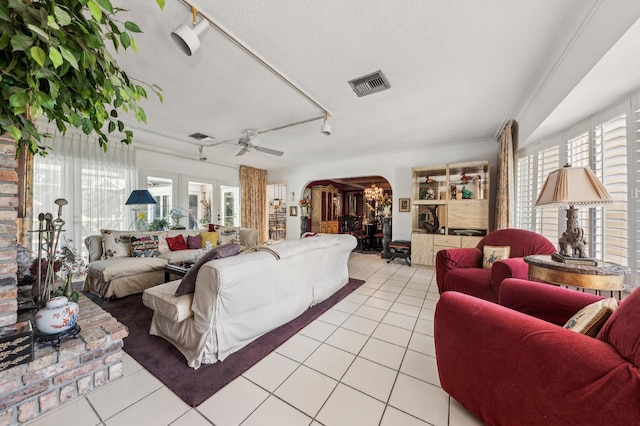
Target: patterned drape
253, 196
504, 184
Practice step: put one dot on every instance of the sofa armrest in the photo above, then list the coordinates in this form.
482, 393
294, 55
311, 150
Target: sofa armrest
94, 247
504, 365
455, 258
545, 301
514, 267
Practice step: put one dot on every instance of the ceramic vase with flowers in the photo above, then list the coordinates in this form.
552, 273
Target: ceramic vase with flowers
386, 202
305, 207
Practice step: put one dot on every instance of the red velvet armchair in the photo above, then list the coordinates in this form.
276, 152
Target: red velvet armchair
516, 365
460, 269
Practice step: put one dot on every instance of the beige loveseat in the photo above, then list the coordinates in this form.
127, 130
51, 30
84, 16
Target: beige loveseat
121, 276
237, 299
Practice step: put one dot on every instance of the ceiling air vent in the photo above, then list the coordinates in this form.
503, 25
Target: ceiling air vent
370, 83
200, 137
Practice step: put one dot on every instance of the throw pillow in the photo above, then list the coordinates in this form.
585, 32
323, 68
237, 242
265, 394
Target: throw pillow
145, 245
188, 283
494, 253
592, 317
228, 235
115, 243
194, 241
177, 243
212, 237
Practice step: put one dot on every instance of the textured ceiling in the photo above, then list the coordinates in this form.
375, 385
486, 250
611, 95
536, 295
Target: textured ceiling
458, 70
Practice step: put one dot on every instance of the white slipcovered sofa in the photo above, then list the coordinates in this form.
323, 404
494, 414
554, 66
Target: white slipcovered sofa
237, 299
121, 276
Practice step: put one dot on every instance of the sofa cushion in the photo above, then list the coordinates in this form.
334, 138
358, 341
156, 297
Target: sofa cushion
188, 283
228, 236
109, 269
622, 329
211, 237
115, 243
163, 301
590, 319
194, 241
177, 243
144, 245
180, 255
494, 253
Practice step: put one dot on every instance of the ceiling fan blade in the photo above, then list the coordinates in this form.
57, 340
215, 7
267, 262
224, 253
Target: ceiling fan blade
269, 151
242, 151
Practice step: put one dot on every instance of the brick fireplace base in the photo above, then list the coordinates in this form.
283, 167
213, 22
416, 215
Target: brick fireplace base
56, 376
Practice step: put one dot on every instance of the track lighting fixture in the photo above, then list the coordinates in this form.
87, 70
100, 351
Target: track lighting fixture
326, 127
187, 38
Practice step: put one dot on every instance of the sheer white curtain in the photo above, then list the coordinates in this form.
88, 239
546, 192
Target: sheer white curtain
96, 184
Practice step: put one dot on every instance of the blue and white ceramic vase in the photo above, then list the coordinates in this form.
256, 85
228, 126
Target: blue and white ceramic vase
57, 316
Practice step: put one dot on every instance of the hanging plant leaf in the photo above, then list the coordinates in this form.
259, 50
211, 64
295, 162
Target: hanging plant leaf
38, 55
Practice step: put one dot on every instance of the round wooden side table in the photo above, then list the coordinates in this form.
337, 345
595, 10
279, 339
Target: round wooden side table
605, 276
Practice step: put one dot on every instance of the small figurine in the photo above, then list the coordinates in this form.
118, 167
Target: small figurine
464, 178
431, 193
466, 194
454, 192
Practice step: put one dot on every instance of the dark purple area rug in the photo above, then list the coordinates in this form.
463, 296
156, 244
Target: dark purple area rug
166, 363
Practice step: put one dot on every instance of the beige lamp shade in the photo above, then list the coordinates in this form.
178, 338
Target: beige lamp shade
569, 186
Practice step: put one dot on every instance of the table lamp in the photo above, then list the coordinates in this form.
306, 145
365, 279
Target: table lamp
568, 187
137, 198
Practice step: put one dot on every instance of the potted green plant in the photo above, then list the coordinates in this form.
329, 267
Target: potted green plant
54, 63
159, 225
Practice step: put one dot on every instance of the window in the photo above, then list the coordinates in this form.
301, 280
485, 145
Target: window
200, 197
162, 191
230, 202
604, 144
546, 222
94, 183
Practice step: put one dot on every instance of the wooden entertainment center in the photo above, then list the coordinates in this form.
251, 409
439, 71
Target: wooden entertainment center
458, 195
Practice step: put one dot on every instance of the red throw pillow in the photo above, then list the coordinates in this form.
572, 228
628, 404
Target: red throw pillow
177, 243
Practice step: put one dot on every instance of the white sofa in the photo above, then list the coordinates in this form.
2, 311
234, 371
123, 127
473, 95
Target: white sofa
122, 276
238, 299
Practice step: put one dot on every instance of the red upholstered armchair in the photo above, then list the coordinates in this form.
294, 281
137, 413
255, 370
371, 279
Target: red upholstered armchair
460, 269
513, 368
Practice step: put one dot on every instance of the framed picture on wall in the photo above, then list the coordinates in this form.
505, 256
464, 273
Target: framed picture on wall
293, 211
404, 204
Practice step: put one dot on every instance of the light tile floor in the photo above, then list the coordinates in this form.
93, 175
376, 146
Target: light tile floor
367, 361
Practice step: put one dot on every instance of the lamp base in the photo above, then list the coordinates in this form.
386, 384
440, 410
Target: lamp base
574, 260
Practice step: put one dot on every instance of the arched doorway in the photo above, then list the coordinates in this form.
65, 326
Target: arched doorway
349, 205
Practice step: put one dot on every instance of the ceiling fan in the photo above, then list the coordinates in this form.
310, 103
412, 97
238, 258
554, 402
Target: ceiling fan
245, 142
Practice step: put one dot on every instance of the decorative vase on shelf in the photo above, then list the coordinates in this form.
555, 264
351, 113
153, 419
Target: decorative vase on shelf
57, 316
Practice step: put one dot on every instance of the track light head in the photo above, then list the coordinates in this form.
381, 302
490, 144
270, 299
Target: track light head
326, 127
202, 156
187, 39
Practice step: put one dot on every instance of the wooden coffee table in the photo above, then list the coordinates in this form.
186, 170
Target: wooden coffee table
178, 269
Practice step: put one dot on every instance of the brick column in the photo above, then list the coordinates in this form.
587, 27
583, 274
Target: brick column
8, 229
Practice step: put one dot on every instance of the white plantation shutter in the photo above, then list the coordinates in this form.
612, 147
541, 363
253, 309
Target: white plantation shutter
608, 143
524, 193
610, 224
547, 219
579, 155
